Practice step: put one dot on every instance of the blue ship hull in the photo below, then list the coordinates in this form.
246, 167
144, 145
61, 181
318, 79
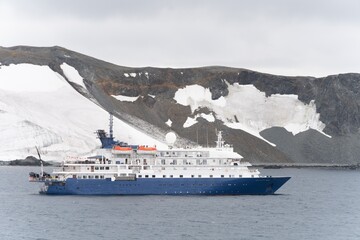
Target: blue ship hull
167, 186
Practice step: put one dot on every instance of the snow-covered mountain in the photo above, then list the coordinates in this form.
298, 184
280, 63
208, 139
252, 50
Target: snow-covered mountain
56, 99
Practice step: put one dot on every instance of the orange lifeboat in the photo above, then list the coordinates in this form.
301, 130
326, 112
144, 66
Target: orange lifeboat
146, 150
121, 150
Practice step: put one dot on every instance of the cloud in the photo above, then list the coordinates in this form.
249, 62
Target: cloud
281, 37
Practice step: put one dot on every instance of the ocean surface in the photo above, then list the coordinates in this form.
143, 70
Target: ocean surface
314, 204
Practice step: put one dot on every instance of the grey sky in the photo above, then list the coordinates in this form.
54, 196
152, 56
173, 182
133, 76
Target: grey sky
305, 37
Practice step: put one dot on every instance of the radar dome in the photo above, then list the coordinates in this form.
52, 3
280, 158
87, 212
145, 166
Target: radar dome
170, 138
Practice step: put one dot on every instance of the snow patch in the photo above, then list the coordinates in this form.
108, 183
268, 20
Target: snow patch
147, 75
209, 117
153, 96
169, 122
249, 109
72, 74
130, 75
197, 96
125, 98
189, 122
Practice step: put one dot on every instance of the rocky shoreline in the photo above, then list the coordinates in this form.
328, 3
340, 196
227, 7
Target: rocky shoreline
28, 161
305, 165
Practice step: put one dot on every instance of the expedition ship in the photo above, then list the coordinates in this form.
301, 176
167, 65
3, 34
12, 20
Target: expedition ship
122, 169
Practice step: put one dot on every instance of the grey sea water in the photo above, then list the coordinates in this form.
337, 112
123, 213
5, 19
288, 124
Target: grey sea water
314, 204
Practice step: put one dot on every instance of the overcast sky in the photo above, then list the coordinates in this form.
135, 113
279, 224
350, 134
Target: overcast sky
307, 37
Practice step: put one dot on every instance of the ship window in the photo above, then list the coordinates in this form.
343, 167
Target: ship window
164, 176
192, 175
101, 168
96, 168
153, 176
171, 176
146, 176
102, 177
84, 176
199, 176
117, 162
107, 168
139, 176
96, 177
181, 175
222, 175
240, 175
211, 175
163, 161
229, 175
252, 175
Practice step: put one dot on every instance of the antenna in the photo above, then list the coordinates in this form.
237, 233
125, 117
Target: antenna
41, 163
219, 142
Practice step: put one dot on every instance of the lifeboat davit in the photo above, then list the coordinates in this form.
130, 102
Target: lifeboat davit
121, 150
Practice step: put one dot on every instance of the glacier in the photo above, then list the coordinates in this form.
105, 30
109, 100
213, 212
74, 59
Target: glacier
38, 107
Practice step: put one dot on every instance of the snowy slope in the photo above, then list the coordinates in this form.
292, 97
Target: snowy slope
248, 109
39, 108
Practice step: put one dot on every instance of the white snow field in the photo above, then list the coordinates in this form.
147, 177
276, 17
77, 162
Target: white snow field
248, 109
125, 98
39, 108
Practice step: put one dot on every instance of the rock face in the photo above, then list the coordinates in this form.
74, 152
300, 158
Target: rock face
336, 98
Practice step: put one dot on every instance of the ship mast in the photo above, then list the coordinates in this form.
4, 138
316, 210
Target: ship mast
111, 125
41, 163
220, 141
